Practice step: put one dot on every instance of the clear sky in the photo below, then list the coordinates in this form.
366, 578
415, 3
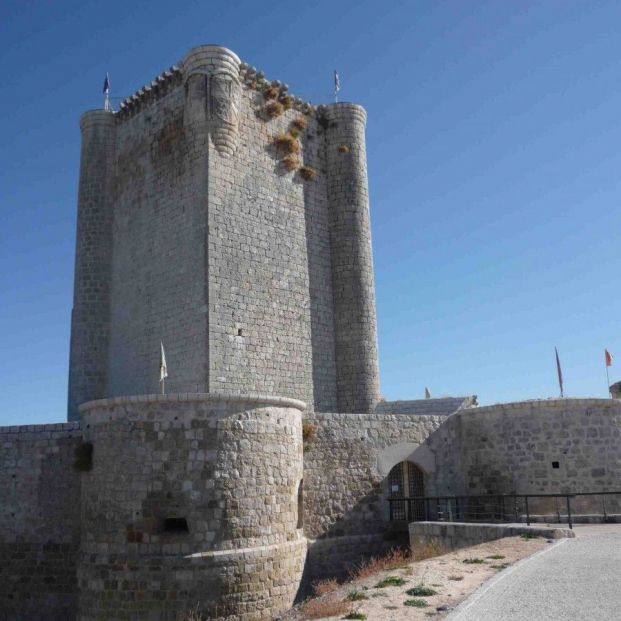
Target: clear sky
494, 147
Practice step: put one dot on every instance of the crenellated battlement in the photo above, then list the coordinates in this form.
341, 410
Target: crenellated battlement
175, 76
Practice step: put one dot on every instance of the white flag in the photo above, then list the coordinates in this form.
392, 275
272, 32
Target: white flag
337, 82
427, 393
163, 369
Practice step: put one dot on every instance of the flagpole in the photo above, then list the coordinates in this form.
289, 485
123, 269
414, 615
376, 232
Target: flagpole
608, 382
559, 372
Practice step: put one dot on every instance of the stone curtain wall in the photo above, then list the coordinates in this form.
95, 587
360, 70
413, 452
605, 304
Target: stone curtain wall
192, 499
442, 406
510, 448
39, 522
345, 486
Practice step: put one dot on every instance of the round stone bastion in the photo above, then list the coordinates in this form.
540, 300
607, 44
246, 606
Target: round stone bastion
547, 446
191, 502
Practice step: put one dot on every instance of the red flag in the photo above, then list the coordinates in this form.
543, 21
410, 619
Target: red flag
608, 357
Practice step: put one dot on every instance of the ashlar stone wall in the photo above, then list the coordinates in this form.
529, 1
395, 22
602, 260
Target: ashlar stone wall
191, 500
39, 522
254, 278
546, 446
346, 463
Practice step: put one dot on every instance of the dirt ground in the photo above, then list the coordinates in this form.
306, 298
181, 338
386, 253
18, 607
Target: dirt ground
448, 575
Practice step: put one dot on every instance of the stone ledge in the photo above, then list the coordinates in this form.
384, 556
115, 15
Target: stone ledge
56, 428
455, 535
540, 405
220, 396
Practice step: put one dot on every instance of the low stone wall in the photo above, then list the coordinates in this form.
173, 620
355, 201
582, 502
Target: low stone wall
39, 522
191, 500
455, 535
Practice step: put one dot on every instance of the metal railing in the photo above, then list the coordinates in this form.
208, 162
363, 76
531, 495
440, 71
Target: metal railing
503, 508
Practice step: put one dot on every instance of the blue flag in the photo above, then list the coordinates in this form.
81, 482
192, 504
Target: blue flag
106, 88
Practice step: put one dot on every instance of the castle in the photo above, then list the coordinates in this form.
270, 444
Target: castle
228, 219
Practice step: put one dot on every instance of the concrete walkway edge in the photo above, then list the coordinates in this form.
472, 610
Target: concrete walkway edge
483, 589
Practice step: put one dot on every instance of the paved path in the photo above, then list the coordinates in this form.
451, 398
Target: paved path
573, 580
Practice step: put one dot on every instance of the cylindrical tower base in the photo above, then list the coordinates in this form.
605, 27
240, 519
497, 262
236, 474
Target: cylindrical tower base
191, 503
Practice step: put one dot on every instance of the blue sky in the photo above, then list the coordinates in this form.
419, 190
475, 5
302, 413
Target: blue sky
494, 148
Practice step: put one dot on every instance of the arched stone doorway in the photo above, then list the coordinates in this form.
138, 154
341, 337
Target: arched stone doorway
407, 481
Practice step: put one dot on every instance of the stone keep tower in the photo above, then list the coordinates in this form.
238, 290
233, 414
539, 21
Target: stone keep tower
191, 232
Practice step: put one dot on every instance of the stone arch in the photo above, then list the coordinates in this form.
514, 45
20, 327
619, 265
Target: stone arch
398, 464
419, 454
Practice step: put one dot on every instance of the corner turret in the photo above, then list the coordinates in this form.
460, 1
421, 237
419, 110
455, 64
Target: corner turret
353, 282
88, 362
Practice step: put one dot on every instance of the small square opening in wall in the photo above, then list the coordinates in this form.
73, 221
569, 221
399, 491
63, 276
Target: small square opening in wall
175, 525
240, 332
555, 464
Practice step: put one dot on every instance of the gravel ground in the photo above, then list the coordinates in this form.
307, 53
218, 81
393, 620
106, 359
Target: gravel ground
576, 579
448, 575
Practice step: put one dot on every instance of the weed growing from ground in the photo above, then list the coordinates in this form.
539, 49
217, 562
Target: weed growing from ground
318, 608
355, 615
473, 561
416, 603
390, 581
395, 559
321, 587
354, 596
496, 557
421, 591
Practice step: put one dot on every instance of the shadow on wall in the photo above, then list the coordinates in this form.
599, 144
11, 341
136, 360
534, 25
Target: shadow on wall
319, 275
346, 504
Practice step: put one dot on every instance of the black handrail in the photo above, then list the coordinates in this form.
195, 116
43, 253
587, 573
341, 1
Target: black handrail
467, 506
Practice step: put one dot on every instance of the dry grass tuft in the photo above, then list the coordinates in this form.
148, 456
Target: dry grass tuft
309, 431
343, 148
290, 162
287, 102
273, 109
318, 608
271, 92
321, 587
308, 173
395, 559
287, 144
301, 123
